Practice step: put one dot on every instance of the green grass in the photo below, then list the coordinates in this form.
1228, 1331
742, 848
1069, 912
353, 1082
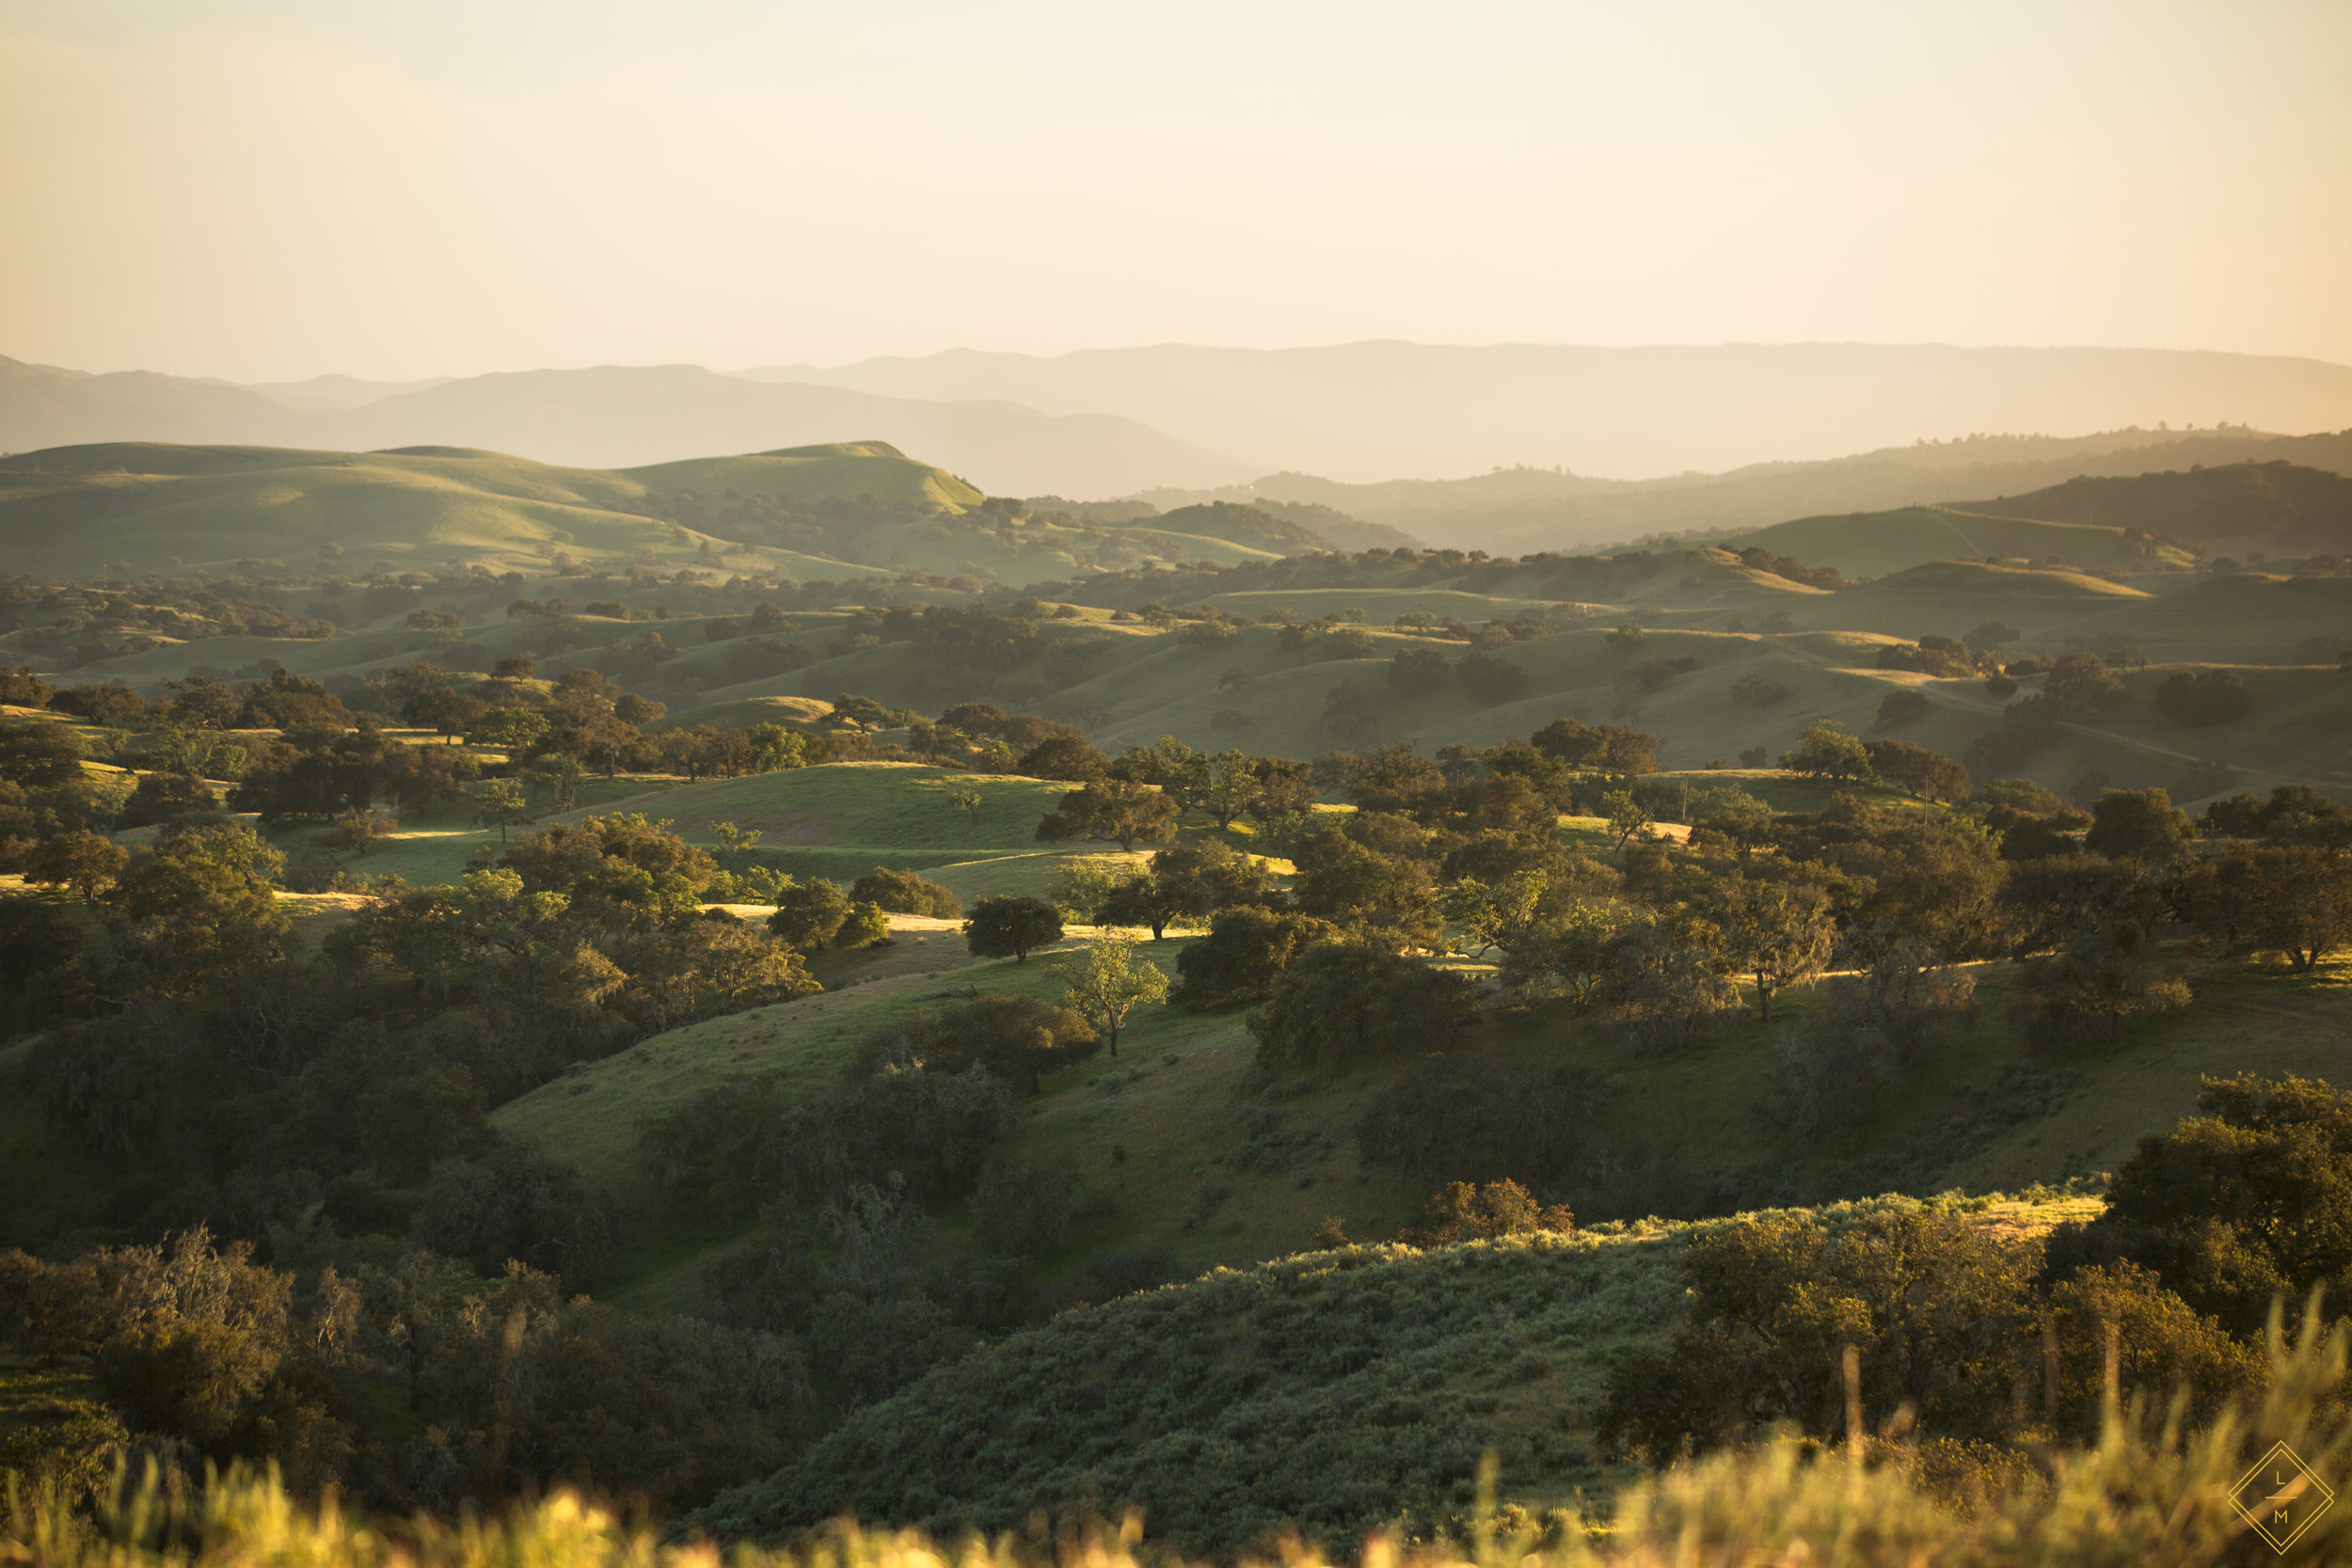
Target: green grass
2246, 1019
863, 807
1880, 543
1329, 1393
2248, 618
1167, 689
1686, 1124
158, 507
433, 848
1379, 605
846, 469
590, 1117
1952, 596
70, 512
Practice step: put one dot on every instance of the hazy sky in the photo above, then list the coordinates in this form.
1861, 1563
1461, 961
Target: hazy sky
272, 189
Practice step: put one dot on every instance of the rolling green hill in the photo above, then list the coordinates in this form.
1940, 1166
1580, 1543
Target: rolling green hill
2275, 507
1330, 1394
68, 510
1239, 525
1878, 544
808, 512
1188, 1159
2248, 617
1183, 1156
1952, 596
842, 469
841, 819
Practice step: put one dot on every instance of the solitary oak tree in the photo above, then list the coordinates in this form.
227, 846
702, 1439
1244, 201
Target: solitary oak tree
1109, 984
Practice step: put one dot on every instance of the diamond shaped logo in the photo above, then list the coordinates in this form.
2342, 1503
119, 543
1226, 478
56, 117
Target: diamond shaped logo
2280, 1496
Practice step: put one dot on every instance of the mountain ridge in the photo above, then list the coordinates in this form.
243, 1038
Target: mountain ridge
610, 416
1374, 410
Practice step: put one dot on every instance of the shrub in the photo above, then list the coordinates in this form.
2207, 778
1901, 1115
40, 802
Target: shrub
2248, 1200
520, 1205
863, 924
1933, 1313
1463, 1212
1901, 706
1826, 751
167, 798
1933, 656
1119, 810
1016, 1038
809, 914
1419, 672
1345, 1001
40, 754
1489, 679
2136, 824
1919, 770
1246, 947
1756, 688
2214, 697
1007, 927
905, 893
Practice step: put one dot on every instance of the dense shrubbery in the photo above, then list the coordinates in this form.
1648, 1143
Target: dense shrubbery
1936, 1315
1343, 1001
333, 1107
407, 1383
905, 893
2210, 697
358, 1077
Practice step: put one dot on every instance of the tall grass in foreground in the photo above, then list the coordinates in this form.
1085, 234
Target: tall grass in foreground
2148, 1493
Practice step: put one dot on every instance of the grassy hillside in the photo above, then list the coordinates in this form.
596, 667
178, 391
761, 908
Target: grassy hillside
880, 806
1131, 681
1877, 544
845, 469
1378, 604
1941, 595
79, 510
2277, 507
1239, 525
1332, 1393
1193, 1163
842, 819
2246, 618
69, 512
1511, 510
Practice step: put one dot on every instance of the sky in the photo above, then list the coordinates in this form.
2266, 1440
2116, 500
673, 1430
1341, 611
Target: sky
267, 190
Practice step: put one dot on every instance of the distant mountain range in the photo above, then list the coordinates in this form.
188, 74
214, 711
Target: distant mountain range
1519, 511
1098, 425
835, 512
1373, 411
605, 418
